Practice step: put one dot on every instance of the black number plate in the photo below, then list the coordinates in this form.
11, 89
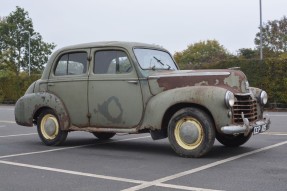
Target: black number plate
259, 129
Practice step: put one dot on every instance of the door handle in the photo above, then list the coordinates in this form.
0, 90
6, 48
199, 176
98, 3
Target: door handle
133, 82
51, 84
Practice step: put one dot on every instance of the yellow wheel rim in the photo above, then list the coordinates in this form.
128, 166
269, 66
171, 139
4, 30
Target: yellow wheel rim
49, 127
188, 133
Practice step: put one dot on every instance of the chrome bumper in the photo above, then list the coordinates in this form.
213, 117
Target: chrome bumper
246, 128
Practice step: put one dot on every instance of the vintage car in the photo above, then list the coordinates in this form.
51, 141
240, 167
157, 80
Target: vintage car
123, 87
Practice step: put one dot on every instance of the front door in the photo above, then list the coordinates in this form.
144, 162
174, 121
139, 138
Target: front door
115, 98
69, 81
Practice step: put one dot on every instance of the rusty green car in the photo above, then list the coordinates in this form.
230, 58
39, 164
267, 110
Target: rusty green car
123, 87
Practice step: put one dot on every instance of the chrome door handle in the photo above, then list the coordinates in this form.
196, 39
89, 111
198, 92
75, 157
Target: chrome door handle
51, 84
133, 82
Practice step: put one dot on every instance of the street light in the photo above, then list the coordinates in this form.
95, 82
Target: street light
261, 53
29, 66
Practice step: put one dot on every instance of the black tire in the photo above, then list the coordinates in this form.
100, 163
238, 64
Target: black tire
49, 129
232, 140
104, 135
191, 132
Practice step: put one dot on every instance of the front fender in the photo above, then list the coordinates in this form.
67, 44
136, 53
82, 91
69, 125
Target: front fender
27, 106
211, 98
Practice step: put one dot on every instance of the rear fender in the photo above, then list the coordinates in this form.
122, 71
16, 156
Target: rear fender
28, 106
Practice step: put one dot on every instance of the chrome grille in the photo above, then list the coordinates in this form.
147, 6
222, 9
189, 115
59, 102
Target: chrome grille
245, 104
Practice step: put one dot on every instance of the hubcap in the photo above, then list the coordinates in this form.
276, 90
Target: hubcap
49, 127
188, 133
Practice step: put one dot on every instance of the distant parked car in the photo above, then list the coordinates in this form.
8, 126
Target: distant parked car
121, 87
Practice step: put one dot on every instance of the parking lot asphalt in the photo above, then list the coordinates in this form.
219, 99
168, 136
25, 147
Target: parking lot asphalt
136, 162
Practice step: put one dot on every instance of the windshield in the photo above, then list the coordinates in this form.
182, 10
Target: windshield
150, 59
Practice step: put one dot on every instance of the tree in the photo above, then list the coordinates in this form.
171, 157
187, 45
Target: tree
248, 53
14, 43
203, 52
274, 36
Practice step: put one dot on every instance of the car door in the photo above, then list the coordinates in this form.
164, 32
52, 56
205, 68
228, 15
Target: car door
115, 97
68, 80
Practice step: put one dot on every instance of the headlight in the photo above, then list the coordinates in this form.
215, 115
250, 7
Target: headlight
263, 98
229, 99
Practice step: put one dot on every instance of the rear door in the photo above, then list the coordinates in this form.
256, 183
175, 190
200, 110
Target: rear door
68, 80
115, 98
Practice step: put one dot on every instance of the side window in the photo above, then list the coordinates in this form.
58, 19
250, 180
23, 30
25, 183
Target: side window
72, 64
111, 62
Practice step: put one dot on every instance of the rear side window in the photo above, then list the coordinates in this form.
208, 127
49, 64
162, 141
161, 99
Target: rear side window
111, 62
72, 64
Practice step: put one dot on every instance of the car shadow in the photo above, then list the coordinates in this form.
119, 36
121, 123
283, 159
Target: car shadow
149, 147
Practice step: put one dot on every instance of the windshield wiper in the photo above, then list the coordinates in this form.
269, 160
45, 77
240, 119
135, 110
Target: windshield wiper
159, 61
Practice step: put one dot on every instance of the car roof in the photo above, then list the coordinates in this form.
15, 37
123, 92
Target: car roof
122, 44
127, 45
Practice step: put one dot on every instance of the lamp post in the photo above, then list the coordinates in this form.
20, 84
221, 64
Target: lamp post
261, 53
29, 51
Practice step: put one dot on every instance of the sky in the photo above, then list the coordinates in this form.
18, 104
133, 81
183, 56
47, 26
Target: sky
173, 24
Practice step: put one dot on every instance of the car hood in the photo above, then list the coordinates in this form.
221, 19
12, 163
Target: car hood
232, 80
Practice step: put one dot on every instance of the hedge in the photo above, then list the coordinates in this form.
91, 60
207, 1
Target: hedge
270, 75
13, 87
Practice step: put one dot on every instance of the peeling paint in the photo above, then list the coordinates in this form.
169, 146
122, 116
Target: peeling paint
228, 79
112, 110
203, 83
233, 81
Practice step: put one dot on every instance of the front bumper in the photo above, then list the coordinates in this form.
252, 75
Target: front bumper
257, 127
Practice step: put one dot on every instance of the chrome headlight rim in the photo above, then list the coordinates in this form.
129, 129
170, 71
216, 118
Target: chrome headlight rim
263, 98
229, 99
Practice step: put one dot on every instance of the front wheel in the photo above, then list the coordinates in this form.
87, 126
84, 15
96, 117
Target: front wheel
49, 129
191, 132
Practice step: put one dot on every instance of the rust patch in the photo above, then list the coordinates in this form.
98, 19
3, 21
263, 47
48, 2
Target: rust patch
232, 82
111, 110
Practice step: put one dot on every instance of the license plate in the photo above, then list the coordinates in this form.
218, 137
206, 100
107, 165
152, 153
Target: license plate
259, 129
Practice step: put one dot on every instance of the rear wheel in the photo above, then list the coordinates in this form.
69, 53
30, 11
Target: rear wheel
191, 132
104, 135
49, 129
232, 140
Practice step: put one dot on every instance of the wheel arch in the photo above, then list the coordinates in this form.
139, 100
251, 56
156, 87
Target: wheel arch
29, 107
56, 104
174, 108
208, 99
38, 112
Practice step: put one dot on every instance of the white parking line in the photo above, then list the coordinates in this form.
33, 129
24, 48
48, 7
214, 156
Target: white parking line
74, 147
7, 122
127, 180
204, 167
179, 187
6, 109
17, 135
72, 172
90, 174
2, 126
278, 115
275, 133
